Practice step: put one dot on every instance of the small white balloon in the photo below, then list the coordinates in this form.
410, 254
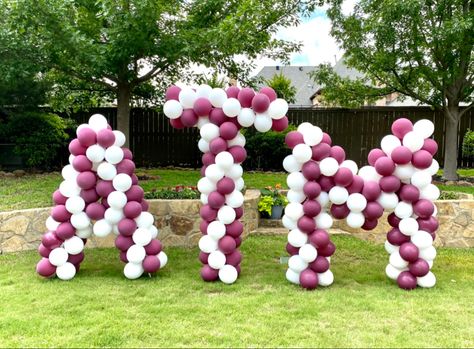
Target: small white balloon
144, 220
136, 254
102, 228
69, 188
390, 248
326, 278
421, 179
69, 173
324, 221
292, 276
226, 214
153, 231
216, 260
356, 202
297, 238
239, 184
216, 230
209, 132
428, 254
204, 91
263, 122
389, 143
408, 226
98, 122
203, 145
117, 199
214, 173
217, 97
392, 272
397, 261
424, 128
172, 109
207, 244
290, 164
84, 233
66, 272
235, 172
133, 271
74, 245
338, 195
141, 237
413, 141
114, 154
224, 160
427, 281
80, 220
202, 121
294, 210
106, 171
122, 182
228, 274
329, 166
75, 204
308, 253
206, 186
403, 210
296, 181
51, 224
430, 192
120, 138
113, 215
295, 196
95, 153
302, 153
288, 223
234, 199
246, 117
237, 140
404, 171
422, 239
204, 199
278, 109
434, 167
355, 220
351, 165
58, 256
388, 200
163, 259
312, 135
187, 97
323, 199
231, 107
368, 173
297, 264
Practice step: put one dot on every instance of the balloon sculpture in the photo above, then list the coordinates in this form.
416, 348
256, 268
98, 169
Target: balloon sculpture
397, 179
219, 115
100, 195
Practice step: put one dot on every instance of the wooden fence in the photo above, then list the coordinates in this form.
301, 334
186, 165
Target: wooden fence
155, 143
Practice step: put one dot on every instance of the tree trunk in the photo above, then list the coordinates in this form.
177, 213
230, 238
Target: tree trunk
123, 111
451, 144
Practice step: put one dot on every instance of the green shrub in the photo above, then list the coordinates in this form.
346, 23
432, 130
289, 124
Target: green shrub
448, 195
38, 137
266, 151
174, 193
468, 144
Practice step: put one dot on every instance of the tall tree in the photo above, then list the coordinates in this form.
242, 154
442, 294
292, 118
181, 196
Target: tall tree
283, 87
422, 49
123, 44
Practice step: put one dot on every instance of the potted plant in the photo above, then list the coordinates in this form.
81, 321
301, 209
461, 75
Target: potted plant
272, 202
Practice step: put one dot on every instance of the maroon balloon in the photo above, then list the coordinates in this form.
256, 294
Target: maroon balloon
234, 258
105, 138
238, 153
239, 212
153, 248
422, 159
228, 130
123, 256
135, 193
409, 252
65, 231
373, 210
203, 257
227, 244
320, 151
371, 190
208, 158
203, 171
45, 268
234, 229
76, 148
58, 198
50, 240
369, 224
225, 186
238, 242
177, 123
406, 280
209, 274
401, 127
419, 268
389, 184
127, 154
217, 145
151, 264
217, 116
311, 208
60, 214
311, 170
172, 93
343, 177
429, 224
280, 124
269, 92
374, 155
145, 205
43, 251
134, 179
132, 209
293, 138
311, 190
340, 211
86, 180
393, 220
430, 146
81, 163
202, 106
208, 213
76, 259
401, 155
260, 103
319, 265
327, 250
216, 200
245, 97
189, 118
326, 183
105, 203
203, 226
104, 188
409, 193
123, 243
86, 136
423, 208
396, 237
95, 211
384, 166
306, 224
292, 250
337, 153
309, 279
319, 238
356, 186
326, 138
127, 226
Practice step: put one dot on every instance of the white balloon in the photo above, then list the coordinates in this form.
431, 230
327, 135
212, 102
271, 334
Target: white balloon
51, 224
204, 90
278, 109
113, 215
422, 239
390, 248
355, 220
153, 231
117, 199
296, 181
187, 97
228, 274
289, 223
224, 160
323, 221
66, 271
141, 237
323, 199
136, 254
388, 200
226, 214
102, 228
172, 109
206, 186
204, 199
397, 261
235, 172
74, 245
302, 153
216, 230
75, 204
389, 143
404, 171
163, 259
119, 138
234, 199
424, 128
294, 210
430, 192
326, 278
209, 132
263, 122
421, 179
293, 277
308, 253
231, 107
295, 196
203, 145
338, 195
106, 171
434, 167
95, 153
351, 165
71, 159
356, 202
239, 184
58, 256
144, 220
133, 271
297, 264
368, 173
408, 226
69, 188
329, 166
392, 272
428, 253
403, 210
84, 233
80, 220
114, 154
297, 238
312, 135
122, 182
427, 281
246, 117
237, 140
202, 121
217, 97
290, 164
214, 173
216, 260
413, 141
98, 122
82, 126
69, 173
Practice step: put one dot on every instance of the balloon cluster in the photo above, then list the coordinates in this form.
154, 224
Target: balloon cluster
220, 114
323, 184
100, 195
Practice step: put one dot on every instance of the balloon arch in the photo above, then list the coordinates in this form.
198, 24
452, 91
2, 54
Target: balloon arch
100, 194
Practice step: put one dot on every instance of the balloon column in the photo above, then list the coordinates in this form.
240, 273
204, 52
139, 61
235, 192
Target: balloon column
220, 115
100, 195
323, 184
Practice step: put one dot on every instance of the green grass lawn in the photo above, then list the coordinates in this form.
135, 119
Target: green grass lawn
361, 309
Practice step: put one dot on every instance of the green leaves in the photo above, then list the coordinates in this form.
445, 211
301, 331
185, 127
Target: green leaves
283, 87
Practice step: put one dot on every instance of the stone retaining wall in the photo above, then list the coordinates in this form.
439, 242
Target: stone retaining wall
177, 220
